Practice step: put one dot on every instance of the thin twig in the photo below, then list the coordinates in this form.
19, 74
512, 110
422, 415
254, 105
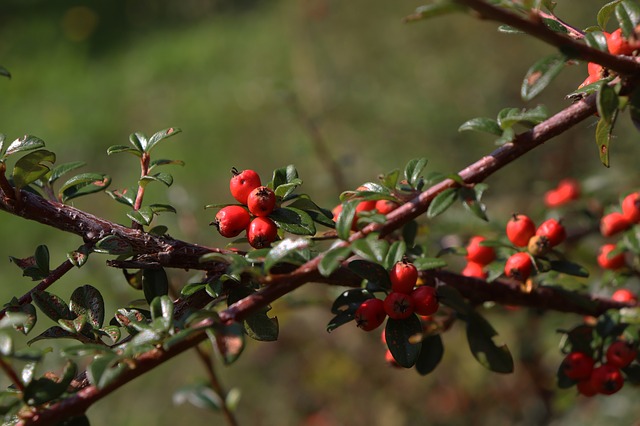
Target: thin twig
11, 373
216, 385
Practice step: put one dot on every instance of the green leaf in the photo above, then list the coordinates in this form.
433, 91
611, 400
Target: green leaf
30, 268
191, 288
55, 332
413, 170
51, 305
284, 190
22, 317
340, 319
430, 354
395, 254
410, 232
607, 102
398, 334
164, 162
603, 137
116, 149
471, 200
596, 40
332, 260
4, 72
528, 117
371, 248
437, 8
293, 220
62, 169
259, 326
282, 250
88, 301
442, 202
390, 180
80, 256
161, 308
29, 168
199, 395
481, 124
112, 332
154, 283
161, 135
84, 184
42, 390
452, 298
162, 177
104, 370
555, 26
480, 336
507, 29
604, 14
427, 263
25, 143
228, 340
139, 141
628, 15
143, 216
541, 74
373, 272
350, 300
112, 244
569, 268
346, 218
126, 196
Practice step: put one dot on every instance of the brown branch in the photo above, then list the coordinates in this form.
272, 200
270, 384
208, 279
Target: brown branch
207, 361
11, 373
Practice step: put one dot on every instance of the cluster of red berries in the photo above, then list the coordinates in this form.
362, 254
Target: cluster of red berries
404, 299
258, 202
379, 206
606, 378
567, 190
478, 256
614, 223
617, 44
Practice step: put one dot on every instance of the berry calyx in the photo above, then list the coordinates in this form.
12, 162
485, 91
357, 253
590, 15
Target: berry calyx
607, 379
425, 300
520, 228
398, 305
404, 276
242, 183
518, 266
232, 220
474, 270
538, 245
606, 261
370, 314
631, 207
478, 253
386, 206
261, 232
613, 223
625, 296
261, 201
577, 366
621, 353
553, 230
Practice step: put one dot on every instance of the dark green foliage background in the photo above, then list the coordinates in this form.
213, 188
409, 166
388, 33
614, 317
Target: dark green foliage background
87, 74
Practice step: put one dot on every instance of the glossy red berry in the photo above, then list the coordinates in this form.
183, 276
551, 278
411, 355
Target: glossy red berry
589, 80
577, 366
567, 190
475, 270
336, 212
553, 230
386, 206
594, 69
618, 45
607, 379
425, 300
261, 232
520, 228
478, 253
370, 314
232, 220
404, 276
518, 266
398, 305
631, 207
625, 296
613, 223
621, 353
610, 262
242, 183
586, 388
261, 201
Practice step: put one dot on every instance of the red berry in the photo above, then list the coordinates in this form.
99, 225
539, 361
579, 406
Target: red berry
370, 314
479, 254
262, 232
425, 300
242, 183
610, 262
594, 69
404, 276
589, 80
363, 206
386, 206
585, 387
398, 305
553, 230
567, 190
607, 379
625, 296
621, 353
631, 207
336, 212
261, 201
618, 45
577, 366
518, 266
520, 229
232, 220
474, 270
612, 223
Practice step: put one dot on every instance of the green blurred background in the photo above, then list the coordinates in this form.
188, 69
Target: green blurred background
87, 74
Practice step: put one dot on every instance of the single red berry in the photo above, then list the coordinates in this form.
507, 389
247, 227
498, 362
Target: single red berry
261, 201
577, 366
404, 276
610, 262
474, 270
520, 228
242, 183
625, 296
621, 353
518, 266
607, 379
425, 300
613, 223
370, 314
618, 45
398, 305
553, 230
261, 232
232, 220
631, 207
478, 253
567, 190
336, 212
386, 206
589, 80
586, 388
594, 69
